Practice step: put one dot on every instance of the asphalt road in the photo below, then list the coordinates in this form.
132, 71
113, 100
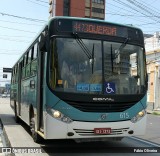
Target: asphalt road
152, 129
19, 136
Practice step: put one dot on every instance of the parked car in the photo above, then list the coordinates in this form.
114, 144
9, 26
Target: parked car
4, 95
8, 95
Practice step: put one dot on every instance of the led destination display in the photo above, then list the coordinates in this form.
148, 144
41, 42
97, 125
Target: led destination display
95, 28
99, 28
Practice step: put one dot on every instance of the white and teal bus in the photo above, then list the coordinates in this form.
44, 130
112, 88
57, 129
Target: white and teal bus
82, 79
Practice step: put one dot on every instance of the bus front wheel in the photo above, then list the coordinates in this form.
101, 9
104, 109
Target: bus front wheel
34, 134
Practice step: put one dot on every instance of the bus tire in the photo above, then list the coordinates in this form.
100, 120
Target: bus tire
34, 134
17, 119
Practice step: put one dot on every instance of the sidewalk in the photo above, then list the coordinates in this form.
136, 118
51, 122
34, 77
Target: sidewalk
152, 110
1, 133
1, 143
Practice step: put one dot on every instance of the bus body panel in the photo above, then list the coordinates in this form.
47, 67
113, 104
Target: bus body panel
55, 129
14, 94
28, 99
75, 114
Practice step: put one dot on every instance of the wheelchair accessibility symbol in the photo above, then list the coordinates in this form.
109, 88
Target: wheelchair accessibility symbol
110, 88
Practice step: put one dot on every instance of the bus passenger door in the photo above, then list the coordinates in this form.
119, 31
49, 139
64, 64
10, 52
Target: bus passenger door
40, 81
19, 88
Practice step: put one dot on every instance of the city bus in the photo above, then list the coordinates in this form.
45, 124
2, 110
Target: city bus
82, 79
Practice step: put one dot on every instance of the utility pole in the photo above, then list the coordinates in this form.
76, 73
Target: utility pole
52, 4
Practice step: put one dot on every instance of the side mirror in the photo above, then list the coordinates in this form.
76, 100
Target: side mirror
43, 40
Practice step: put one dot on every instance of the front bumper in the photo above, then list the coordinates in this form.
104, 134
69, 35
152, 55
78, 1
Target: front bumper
55, 129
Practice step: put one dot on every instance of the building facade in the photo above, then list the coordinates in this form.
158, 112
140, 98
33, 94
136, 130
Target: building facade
152, 45
78, 8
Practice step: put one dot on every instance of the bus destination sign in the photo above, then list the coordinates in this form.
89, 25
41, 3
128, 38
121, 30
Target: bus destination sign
99, 28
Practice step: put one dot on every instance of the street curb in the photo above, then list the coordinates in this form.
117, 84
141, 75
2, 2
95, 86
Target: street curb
145, 141
5, 141
153, 112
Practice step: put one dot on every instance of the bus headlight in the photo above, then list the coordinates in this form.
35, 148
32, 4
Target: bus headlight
139, 116
60, 116
56, 114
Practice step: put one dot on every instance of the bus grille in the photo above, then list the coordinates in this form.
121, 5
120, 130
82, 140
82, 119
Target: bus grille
87, 132
101, 107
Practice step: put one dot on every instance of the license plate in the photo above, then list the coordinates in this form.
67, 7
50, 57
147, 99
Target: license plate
102, 130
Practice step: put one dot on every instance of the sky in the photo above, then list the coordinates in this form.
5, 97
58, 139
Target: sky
21, 20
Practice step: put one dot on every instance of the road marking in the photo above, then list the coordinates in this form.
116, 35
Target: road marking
146, 142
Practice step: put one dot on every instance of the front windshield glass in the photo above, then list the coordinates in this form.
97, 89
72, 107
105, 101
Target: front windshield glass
123, 69
80, 68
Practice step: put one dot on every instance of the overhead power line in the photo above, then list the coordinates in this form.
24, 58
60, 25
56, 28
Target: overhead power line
37, 3
133, 15
130, 9
8, 39
127, 5
15, 36
144, 9
125, 9
9, 54
21, 23
42, 1
9, 50
17, 29
25, 18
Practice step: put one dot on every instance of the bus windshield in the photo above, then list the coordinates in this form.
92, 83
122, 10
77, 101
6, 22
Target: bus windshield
96, 67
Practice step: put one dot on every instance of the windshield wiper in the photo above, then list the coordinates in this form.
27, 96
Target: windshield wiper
83, 46
119, 50
112, 57
92, 59
85, 49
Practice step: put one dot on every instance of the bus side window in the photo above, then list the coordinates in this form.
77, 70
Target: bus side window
16, 73
24, 67
13, 76
32, 53
29, 56
35, 51
28, 67
34, 60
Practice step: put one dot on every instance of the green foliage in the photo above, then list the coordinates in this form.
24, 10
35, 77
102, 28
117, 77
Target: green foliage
156, 113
